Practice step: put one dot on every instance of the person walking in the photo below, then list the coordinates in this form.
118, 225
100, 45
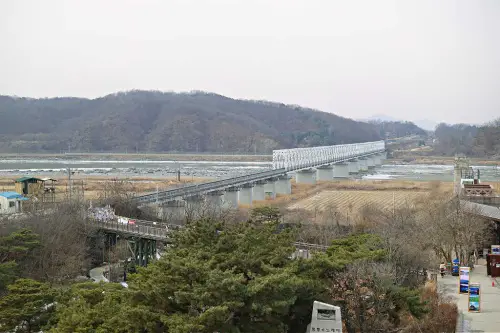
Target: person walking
442, 269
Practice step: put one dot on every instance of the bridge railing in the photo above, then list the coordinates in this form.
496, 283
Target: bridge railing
140, 230
310, 246
205, 187
162, 233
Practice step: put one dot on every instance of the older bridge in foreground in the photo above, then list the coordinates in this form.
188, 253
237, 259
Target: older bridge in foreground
308, 164
143, 235
142, 239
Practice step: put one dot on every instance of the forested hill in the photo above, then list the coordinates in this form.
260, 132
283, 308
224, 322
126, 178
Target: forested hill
397, 129
472, 140
148, 121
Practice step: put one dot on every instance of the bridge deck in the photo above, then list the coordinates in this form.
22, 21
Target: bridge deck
161, 234
198, 189
137, 230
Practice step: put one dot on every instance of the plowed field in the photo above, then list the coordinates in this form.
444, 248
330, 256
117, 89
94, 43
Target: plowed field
352, 201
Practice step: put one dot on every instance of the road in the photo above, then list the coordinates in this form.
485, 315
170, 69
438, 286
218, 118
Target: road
488, 320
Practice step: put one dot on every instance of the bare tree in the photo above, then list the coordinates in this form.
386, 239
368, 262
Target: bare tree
64, 250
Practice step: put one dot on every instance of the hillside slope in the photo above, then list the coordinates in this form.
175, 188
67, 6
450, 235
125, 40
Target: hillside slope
397, 129
471, 140
148, 121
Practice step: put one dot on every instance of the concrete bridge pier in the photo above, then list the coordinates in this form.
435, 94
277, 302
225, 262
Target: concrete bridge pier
363, 166
324, 173
384, 156
306, 176
230, 198
270, 188
353, 166
214, 200
341, 170
195, 206
283, 185
370, 162
172, 210
377, 159
259, 192
245, 195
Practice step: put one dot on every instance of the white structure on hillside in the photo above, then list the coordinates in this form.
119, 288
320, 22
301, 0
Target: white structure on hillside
325, 318
11, 202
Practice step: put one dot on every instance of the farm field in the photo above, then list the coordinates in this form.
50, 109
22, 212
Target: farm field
352, 201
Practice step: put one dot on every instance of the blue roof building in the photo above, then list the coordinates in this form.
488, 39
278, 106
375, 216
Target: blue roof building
11, 202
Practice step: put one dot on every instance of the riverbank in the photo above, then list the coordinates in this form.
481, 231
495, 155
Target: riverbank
227, 157
439, 160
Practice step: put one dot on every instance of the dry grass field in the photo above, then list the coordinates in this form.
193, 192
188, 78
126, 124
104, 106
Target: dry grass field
93, 186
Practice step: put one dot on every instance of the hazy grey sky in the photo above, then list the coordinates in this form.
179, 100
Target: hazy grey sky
410, 59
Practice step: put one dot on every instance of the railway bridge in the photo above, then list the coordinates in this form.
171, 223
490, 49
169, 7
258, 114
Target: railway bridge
308, 165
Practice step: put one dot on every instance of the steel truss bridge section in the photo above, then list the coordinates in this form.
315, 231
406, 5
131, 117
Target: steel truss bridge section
300, 158
284, 161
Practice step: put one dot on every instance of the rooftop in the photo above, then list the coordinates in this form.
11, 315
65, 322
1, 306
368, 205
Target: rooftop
486, 211
23, 179
12, 195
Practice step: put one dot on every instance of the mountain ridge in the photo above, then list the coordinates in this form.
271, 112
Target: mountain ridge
154, 121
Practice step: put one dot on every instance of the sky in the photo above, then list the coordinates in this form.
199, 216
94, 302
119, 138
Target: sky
407, 59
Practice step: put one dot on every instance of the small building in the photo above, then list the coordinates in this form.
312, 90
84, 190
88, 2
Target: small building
29, 186
11, 202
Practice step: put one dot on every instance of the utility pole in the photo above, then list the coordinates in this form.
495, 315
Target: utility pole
156, 200
109, 259
69, 182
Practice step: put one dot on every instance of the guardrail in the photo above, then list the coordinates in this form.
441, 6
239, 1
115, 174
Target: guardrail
233, 182
209, 186
135, 229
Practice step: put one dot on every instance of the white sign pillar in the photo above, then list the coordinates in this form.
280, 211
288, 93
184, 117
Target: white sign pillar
325, 318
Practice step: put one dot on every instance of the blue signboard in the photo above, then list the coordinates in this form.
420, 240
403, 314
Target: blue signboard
464, 280
474, 297
455, 267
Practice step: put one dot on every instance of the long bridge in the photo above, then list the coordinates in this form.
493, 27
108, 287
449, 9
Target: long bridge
308, 164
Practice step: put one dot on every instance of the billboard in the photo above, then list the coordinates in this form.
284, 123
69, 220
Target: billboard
474, 297
464, 280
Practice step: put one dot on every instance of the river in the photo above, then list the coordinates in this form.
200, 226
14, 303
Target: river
213, 169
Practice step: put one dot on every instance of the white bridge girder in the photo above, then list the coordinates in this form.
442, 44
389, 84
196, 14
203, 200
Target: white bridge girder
300, 158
